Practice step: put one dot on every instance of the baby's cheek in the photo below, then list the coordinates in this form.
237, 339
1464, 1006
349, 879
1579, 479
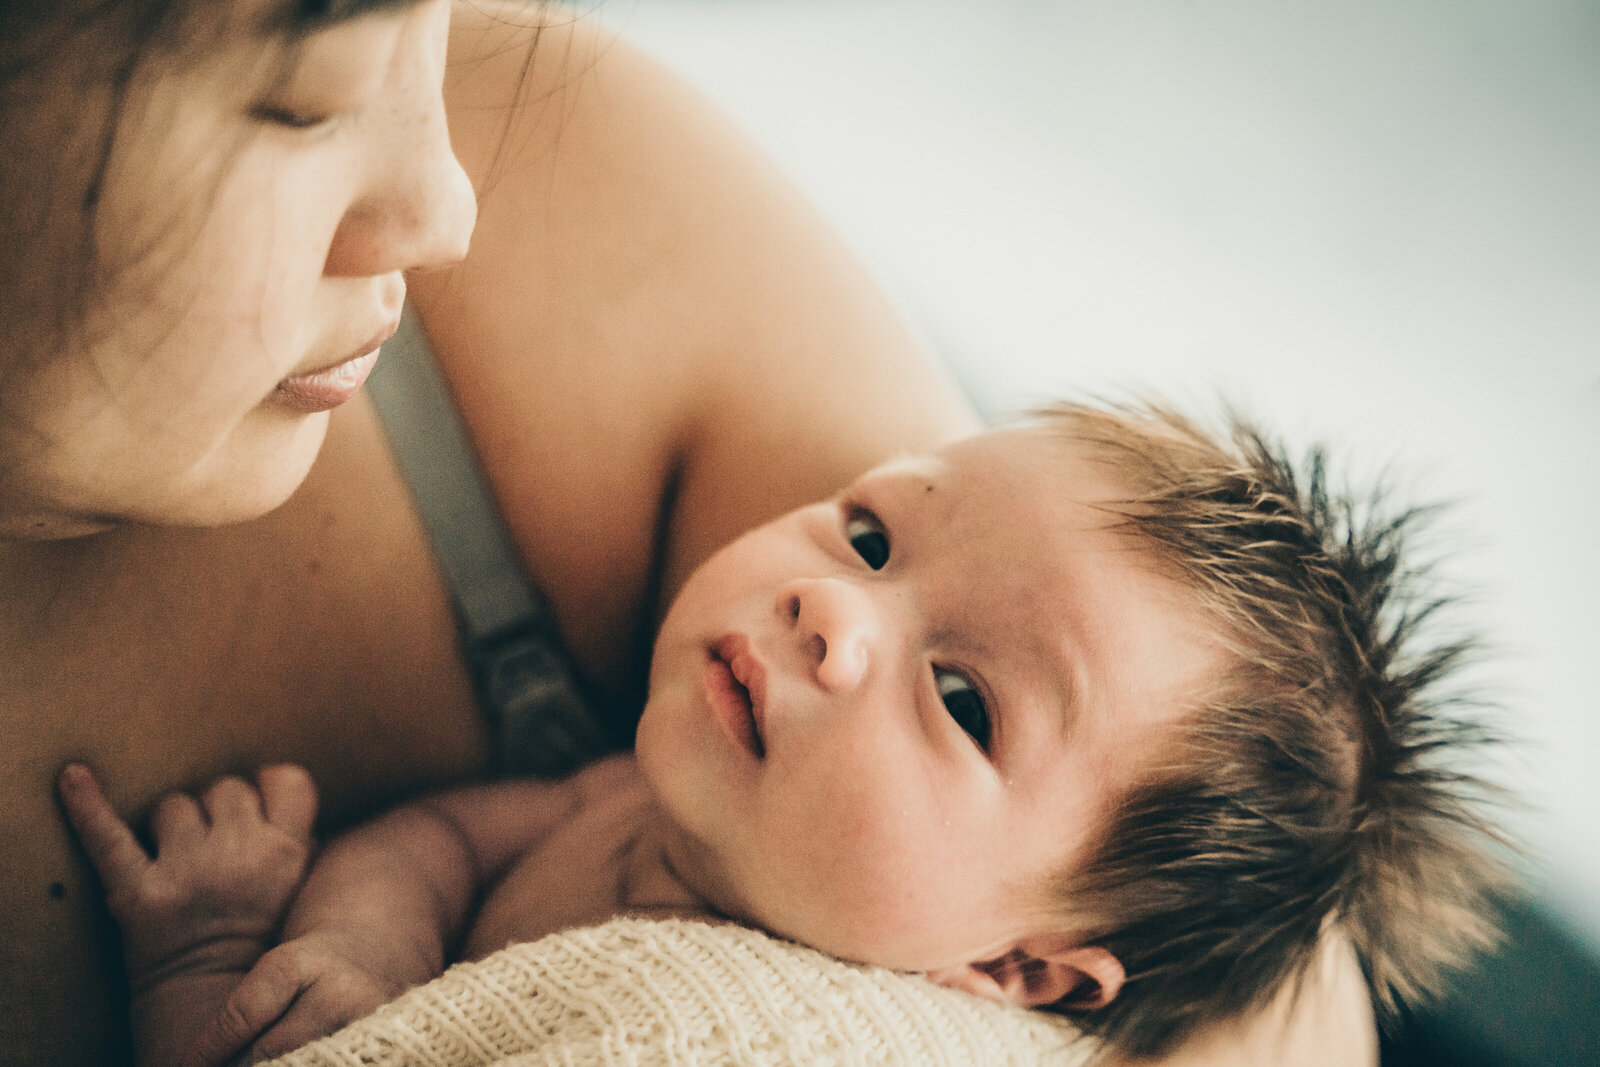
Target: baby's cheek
873, 880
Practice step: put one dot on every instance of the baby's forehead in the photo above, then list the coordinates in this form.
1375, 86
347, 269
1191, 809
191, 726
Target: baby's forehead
1030, 464
1026, 481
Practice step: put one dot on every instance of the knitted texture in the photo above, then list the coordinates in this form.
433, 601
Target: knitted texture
654, 993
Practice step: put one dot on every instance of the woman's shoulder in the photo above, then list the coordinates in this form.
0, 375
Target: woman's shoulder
629, 232
651, 325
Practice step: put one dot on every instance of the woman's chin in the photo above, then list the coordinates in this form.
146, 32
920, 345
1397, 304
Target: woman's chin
243, 480
245, 476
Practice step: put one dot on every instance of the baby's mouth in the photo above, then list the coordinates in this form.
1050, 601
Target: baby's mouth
737, 682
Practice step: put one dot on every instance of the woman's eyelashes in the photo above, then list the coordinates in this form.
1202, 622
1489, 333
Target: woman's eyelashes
964, 703
869, 539
288, 118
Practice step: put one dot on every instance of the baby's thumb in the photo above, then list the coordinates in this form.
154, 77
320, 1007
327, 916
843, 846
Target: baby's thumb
258, 1002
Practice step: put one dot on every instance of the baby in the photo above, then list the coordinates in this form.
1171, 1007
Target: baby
1099, 715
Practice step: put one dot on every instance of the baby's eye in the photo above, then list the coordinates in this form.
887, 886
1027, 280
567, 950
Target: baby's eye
965, 705
868, 537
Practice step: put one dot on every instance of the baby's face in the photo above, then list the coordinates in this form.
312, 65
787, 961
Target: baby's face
879, 724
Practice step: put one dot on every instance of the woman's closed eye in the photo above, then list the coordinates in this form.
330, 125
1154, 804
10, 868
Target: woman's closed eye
965, 705
289, 118
868, 537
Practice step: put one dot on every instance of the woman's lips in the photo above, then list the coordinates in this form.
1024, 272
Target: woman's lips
735, 687
326, 389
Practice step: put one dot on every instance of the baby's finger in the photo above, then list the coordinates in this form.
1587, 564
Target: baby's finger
231, 799
115, 853
177, 821
289, 797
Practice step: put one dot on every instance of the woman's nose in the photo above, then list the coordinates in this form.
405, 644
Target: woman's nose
836, 625
418, 209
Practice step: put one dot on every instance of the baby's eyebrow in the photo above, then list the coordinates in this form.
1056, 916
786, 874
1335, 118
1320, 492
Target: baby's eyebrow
1057, 656
925, 465
1041, 671
1067, 683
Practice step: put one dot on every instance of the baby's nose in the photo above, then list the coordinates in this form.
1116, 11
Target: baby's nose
836, 625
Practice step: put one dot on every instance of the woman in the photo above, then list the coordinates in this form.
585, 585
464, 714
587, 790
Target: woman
211, 214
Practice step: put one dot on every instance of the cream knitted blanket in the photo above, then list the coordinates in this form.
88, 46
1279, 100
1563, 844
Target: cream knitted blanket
648, 992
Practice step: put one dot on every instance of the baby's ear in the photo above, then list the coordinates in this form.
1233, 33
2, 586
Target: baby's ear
1040, 970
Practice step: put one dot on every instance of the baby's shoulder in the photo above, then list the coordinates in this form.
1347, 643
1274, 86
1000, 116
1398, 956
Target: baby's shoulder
614, 771
613, 782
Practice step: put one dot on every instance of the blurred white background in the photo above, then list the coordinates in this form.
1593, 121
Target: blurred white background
1368, 222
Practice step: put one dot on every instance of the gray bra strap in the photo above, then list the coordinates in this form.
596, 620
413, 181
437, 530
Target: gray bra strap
540, 719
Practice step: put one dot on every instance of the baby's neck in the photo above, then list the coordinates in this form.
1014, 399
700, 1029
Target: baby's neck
651, 884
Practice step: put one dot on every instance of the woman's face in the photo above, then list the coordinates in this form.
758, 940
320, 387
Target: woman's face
253, 224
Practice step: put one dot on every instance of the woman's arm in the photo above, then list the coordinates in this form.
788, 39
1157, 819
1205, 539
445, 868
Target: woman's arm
1328, 1022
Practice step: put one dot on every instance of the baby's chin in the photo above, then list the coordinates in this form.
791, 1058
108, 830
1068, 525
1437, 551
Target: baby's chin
648, 744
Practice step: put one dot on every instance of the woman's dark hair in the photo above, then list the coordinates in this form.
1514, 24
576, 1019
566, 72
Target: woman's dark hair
313, 13
129, 31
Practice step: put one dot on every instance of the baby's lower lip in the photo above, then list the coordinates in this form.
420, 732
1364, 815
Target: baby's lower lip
730, 702
325, 390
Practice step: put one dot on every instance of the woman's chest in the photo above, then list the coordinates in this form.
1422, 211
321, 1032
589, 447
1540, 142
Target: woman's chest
319, 634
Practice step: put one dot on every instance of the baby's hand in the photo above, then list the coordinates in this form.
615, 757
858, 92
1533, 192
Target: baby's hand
225, 869
304, 989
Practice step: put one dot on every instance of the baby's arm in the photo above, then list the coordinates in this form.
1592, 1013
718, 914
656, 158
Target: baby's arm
199, 915
378, 914
381, 911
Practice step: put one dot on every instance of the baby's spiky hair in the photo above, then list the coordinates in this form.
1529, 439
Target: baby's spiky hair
1319, 783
